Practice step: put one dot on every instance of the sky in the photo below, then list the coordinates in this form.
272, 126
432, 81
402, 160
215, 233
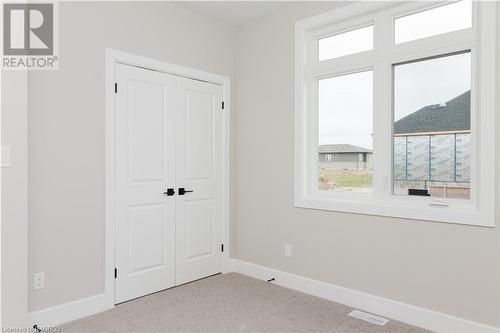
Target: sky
428, 82
345, 109
346, 102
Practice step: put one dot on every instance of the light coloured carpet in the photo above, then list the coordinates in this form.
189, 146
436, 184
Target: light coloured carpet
231, 303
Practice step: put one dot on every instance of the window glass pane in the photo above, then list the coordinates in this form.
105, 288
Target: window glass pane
432, 149
346, 43
440, 20
345, 132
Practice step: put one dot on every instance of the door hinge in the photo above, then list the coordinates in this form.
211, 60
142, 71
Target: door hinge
222, 247
116, 273
222, 105
116, 87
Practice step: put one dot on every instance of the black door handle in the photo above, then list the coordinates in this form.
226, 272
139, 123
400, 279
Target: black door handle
170, 192
182, 191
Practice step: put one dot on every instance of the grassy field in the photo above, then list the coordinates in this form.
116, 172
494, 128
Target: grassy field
345, 179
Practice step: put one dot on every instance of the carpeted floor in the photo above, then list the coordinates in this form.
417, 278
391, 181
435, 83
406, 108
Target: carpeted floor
230, 303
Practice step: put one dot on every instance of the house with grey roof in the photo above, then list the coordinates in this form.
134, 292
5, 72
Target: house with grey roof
450, 117
432, 149
344, 156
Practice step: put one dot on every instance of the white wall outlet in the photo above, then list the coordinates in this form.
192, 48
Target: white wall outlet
288, 250
39, 280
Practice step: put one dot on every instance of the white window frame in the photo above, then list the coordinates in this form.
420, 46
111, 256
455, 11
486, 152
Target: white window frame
480, 39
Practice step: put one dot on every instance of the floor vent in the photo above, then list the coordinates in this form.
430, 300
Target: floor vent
368, 317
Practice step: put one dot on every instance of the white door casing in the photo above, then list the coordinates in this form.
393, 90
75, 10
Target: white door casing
145, 136
114, 58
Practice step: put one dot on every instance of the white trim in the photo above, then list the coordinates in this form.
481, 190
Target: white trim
406, 313
480, 39
70, 311
113, 57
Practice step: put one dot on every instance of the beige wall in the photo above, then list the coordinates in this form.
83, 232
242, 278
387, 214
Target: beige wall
66, 130
447, 268
444, 267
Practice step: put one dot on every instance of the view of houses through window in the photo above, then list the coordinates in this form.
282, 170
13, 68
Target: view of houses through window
345, 132
345, 167
432, 129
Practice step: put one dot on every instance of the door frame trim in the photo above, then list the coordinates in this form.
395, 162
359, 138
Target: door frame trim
112, 57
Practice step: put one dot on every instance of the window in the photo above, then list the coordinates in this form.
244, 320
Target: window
406, 129
345, 129
346, 43
432, 127
435, 21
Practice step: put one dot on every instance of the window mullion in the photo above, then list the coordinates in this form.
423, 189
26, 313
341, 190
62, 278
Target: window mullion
382, 109
382, 129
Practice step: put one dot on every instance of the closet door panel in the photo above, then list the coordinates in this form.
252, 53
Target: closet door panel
145, 225
199, 169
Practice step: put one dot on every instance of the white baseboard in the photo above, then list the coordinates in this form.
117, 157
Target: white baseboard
70, 311
412, 315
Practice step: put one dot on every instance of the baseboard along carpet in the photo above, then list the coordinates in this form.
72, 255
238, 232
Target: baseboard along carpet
231, 303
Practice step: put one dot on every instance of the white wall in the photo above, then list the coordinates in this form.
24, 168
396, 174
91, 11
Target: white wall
66, 130
14, 200
448, 268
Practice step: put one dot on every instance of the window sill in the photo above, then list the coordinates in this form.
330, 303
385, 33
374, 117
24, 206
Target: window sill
455, 212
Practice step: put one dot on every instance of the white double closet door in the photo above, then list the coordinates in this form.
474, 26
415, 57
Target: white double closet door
168, 136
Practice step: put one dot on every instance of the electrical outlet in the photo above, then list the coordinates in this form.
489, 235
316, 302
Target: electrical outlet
39, 280
288, 250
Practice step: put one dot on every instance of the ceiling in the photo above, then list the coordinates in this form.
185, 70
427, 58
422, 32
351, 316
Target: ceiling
235, 13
